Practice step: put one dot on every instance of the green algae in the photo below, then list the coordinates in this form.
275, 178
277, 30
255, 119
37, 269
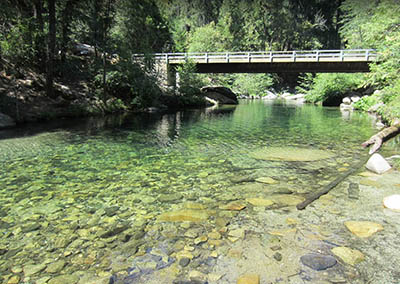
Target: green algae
291, 154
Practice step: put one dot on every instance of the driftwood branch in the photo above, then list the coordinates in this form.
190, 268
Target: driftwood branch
378, 138
312, 197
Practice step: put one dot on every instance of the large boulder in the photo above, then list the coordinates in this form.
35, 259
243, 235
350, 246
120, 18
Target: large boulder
220, 94
295, 97
378, 164
270, 96
83, 49
6, 121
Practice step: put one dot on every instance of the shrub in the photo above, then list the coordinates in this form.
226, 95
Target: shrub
365, 103
130, 84
252, 84
332, 87
390, 111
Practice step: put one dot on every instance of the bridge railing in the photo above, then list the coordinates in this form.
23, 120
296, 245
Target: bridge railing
349, 55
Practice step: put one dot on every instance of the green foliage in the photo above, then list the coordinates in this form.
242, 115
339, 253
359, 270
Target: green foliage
15, 44
391, 92
129, 84
391, 111
253, 84
366, 102
375, 24
327, 86
140, 28
189, 82
305, 83
207, 38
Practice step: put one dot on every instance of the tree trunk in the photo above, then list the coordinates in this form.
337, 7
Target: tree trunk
315, 195
95, 24
66, 20
51, 49
39, 40
107, 24
378, 138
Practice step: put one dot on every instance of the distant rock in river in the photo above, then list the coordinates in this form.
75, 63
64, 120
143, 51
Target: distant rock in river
220, 94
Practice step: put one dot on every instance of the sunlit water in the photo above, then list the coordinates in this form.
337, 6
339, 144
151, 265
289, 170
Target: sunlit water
88, 196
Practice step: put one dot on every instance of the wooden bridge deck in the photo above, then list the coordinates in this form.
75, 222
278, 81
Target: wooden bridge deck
354, 60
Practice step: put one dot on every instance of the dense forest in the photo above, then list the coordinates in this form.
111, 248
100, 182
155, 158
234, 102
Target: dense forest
71, 50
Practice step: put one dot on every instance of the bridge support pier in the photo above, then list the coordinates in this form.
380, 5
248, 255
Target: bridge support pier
171, 75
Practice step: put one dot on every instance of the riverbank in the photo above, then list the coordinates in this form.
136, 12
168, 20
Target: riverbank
23, 99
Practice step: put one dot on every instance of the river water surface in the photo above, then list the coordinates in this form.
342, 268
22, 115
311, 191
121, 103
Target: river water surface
201, 195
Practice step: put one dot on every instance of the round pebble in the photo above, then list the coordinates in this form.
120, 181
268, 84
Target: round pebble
184, 261
318, 261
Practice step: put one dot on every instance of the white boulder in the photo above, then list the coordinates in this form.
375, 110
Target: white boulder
392, 202
270, 96
295, 97
378, 164
346, 100
344, 106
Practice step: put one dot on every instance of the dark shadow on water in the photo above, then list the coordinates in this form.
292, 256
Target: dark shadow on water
130, 121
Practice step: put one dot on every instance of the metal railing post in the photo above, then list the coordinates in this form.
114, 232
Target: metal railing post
227, 57
248, 57
367, 55
294, 56
206, 57
317, 56
341, 55
271, 56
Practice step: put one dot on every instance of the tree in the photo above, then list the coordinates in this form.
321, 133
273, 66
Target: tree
67, 12
51, 49
376, 25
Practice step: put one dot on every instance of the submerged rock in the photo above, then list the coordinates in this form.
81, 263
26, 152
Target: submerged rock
291, 154
260, 202
249, 279
277, 256
353, 190
30, 227
64, 279
233, 206
32, 269
377, 164
318, 261
184, 215
363, 229
266, 180
348, 255
287, 200
55, 266
14, 279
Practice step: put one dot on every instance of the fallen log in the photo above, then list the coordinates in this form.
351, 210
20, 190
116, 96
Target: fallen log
378, 138
314, 196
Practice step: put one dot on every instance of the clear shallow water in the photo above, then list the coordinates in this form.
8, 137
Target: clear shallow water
94, 196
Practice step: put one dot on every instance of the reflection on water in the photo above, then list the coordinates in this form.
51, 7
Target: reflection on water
124, 198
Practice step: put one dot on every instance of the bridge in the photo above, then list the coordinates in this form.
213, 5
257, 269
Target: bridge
308, 61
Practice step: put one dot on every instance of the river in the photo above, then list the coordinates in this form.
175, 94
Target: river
201, 195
